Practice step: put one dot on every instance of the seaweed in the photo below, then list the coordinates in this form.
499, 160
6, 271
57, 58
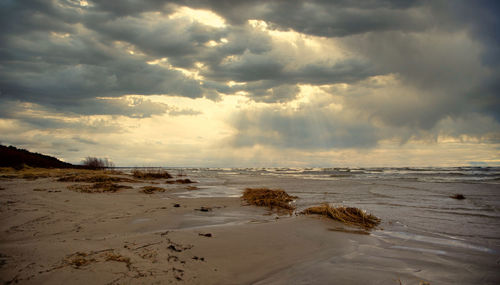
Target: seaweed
346, 215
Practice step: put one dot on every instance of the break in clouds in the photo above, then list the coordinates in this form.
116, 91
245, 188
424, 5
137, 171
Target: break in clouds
318, 75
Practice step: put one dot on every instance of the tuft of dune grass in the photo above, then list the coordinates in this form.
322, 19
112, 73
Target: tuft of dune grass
180, 181
276, 198
150, 173
111, 256
98, 187
98, 178
347, 215
151, 189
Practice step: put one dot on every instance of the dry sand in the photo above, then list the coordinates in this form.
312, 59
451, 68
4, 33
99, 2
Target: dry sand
53, 235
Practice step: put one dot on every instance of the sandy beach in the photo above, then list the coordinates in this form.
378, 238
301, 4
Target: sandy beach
52, 234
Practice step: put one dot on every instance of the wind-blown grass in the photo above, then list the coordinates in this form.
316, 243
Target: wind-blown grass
269, 198
151, 189
347, 215
150, 173
98, 187
180, 181
92, 178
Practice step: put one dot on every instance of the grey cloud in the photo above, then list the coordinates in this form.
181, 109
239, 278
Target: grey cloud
323, 18
35, 116
445, 53
158, 36
418, 40
441, 74
266, 74
84, 140
87, 63
43, 68
318, 129
134, 108
282, 93
129, 7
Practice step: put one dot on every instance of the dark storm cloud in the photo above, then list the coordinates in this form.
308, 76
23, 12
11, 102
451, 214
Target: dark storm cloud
83, 60
129, 7
76, 64
322, 18
393, 36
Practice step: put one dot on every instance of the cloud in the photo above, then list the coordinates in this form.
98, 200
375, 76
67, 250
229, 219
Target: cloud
323, 18
302, 129
380, 70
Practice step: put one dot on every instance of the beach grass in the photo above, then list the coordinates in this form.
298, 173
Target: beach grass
180, 181
150, 173
151, 189
346, 215
92, 178
98, 187
272, 198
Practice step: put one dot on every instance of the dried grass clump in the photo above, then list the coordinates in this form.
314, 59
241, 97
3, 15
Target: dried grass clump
78, 260
151, 189
151, 173
97, 163
34, 176
98, 187
347, 215
92, 178
111, 256
180, 181
268, 197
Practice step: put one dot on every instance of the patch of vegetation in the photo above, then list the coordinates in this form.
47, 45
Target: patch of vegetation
277, 198
151, 173
346, 215
34, 176
40, 189
180, 181
458, 196
96, 163
77, 177
78, 260
19, 158
151, 189
111, 256
98, 187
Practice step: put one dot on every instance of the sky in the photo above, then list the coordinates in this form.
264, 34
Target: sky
220, 83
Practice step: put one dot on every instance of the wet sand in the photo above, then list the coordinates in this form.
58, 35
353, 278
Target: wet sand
53, 235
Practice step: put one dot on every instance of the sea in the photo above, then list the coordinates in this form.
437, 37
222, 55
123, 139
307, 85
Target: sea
413, 203
420, 216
